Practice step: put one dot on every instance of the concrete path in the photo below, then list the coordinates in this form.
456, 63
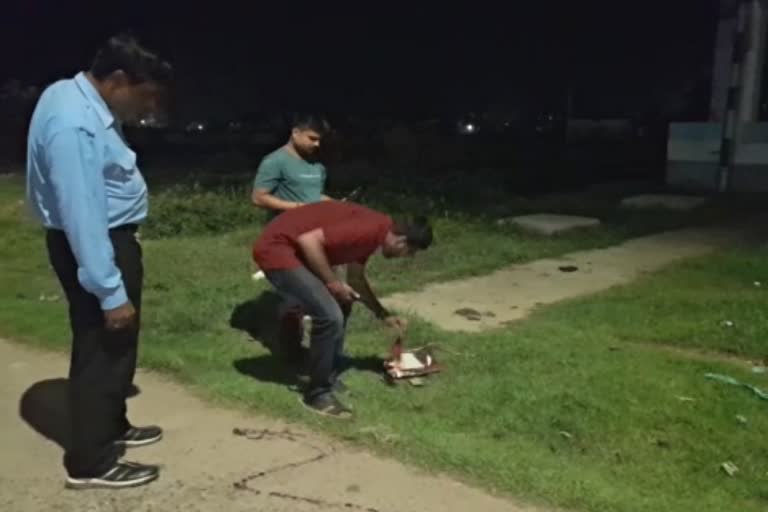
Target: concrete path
207, 467
512, 293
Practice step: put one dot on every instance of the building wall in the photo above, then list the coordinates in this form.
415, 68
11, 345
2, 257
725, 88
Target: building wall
693, 149
693, 152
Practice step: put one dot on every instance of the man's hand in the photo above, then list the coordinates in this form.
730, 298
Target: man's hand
395, 322
342, 292
123, 317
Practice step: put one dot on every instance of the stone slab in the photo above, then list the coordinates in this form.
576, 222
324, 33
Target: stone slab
668, 201
551, 224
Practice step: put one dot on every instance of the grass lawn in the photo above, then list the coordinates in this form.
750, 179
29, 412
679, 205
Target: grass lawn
574, 407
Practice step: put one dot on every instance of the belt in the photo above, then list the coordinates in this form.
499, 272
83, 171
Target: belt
130, 228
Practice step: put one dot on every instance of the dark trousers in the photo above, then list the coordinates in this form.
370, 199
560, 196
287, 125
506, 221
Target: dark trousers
329, 319
291, 328
103, 363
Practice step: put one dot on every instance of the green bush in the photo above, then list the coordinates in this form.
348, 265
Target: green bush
192, 210
199, 209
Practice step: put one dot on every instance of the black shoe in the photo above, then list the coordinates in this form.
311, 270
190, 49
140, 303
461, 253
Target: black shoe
120, 476
328, 405
140, 436
303, 382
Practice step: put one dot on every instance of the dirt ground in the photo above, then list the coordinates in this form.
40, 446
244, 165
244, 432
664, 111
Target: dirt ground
511, 293
206, 466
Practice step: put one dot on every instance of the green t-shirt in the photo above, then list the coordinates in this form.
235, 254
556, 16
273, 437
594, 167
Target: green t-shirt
290, 178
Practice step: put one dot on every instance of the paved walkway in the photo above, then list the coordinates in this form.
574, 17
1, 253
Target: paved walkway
511, 293
207, 467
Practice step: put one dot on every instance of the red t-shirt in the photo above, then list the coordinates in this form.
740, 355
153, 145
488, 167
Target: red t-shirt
352, 234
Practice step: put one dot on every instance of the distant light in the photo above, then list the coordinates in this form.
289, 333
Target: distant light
143, 122
467, 127
195, 126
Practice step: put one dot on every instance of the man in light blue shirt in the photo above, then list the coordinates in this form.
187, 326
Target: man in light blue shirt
84, 184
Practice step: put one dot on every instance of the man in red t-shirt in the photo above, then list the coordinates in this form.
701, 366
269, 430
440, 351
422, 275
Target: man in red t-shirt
297, 251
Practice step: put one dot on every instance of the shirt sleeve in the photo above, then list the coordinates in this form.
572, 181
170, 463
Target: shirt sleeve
80, 197
268, 175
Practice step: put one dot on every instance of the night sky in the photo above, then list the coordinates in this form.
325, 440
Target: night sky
412, 60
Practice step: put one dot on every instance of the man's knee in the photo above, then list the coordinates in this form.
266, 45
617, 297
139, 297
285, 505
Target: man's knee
330, 320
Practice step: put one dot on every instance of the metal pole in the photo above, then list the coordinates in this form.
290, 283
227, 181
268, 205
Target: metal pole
568, 109
730, 120
753, 62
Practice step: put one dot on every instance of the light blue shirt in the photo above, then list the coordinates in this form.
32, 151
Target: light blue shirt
82, 178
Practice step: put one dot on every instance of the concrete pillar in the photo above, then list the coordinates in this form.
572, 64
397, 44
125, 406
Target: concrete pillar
753, 62
721, 73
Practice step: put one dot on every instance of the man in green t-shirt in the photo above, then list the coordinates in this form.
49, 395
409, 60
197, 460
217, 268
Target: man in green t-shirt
289, 178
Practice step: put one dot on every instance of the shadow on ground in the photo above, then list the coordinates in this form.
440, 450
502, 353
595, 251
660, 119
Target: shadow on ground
258, 318
44, 406
268, 368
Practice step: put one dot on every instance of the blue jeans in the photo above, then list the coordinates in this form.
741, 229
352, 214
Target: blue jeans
329, 319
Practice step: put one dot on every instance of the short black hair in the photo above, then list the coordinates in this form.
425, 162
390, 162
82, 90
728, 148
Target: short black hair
314, 122
417, 232
124, 52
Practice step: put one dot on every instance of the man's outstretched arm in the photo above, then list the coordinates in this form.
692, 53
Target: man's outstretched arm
357, 278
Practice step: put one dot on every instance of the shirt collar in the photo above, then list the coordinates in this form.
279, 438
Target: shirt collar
93, 96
